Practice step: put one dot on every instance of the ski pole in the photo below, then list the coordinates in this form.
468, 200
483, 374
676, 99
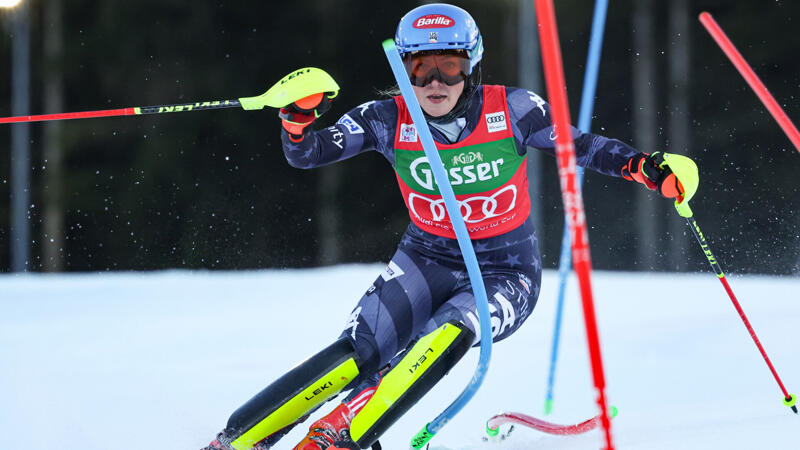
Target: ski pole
584, 124
685, 169
752, 79
290, 88
132, 111
788, 399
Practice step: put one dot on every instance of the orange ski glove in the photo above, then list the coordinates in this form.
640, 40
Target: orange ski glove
651, 171
296, 116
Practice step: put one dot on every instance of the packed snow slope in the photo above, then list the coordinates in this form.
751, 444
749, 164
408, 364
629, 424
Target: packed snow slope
160, 360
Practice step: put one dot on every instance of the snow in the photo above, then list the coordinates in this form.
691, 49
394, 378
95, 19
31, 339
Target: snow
160, 359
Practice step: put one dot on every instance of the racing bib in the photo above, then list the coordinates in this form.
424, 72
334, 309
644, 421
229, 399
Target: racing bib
488, 176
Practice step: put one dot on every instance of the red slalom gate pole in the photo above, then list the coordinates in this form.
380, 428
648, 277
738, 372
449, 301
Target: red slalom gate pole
571, 194
493, 424
752, 79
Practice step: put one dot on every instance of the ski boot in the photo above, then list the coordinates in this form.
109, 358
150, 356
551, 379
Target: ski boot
330, 432
220, 443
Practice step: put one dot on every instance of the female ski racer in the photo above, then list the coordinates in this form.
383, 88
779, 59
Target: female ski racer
419, 316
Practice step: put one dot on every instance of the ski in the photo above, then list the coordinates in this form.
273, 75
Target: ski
493, 424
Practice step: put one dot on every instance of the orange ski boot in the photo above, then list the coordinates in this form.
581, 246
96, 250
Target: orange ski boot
327, 430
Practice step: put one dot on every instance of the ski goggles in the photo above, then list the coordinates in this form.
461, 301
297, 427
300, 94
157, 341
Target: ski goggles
448, 66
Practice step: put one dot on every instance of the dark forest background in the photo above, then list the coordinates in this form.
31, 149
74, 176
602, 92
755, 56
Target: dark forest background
212, 189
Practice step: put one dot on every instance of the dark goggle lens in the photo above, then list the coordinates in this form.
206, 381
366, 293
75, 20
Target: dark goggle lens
449, 67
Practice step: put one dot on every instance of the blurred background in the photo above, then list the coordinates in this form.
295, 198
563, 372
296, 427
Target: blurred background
212, 190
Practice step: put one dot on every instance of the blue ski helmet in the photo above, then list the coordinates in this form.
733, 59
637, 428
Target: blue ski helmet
439, 26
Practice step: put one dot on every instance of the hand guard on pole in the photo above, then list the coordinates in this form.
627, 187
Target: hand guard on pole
302, 96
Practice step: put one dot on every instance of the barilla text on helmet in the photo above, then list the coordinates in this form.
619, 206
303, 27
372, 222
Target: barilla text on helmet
434, 21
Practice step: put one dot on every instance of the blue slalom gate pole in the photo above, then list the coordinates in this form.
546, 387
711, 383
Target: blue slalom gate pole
464, 242
584, 124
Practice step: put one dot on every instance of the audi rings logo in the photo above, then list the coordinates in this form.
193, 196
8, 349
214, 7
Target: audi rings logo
496, 121
474, 209
495, 118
